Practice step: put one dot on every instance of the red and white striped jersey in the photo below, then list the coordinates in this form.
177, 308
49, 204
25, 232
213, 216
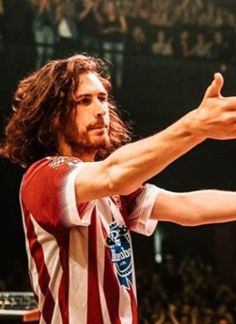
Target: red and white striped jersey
80, 256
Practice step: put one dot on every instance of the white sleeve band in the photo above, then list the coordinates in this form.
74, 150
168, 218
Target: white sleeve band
140, 220
72, 213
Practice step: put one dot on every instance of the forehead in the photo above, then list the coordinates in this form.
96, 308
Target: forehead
90, 83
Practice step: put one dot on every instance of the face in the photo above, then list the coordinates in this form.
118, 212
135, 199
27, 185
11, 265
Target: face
88, 130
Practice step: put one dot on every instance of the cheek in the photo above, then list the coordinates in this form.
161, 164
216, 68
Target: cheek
81, 121
107, 118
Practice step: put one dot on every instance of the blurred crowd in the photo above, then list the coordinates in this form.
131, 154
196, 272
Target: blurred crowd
115, 28
185, 292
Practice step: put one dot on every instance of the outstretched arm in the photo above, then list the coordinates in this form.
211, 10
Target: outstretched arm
195, 208
85, 11
133, 164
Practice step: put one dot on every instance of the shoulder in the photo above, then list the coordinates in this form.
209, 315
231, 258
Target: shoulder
52, 165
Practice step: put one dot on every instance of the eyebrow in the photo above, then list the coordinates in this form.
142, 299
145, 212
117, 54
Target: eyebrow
84, 95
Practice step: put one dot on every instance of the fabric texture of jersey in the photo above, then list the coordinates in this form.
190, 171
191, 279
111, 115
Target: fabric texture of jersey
80, 256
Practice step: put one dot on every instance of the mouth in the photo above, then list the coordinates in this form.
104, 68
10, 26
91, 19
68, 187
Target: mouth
98, 127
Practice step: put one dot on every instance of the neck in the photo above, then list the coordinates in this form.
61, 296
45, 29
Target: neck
83, 154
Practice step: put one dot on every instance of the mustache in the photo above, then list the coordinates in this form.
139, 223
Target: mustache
99, 124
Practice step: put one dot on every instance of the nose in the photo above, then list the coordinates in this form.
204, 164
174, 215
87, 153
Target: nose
100, 108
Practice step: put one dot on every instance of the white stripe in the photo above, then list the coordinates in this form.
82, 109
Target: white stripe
78, 270
42, 321
125, 312
52, 262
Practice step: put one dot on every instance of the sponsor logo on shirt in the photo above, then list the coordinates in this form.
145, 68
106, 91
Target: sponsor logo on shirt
121, 254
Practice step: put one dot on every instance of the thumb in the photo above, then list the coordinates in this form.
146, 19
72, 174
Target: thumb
214, 89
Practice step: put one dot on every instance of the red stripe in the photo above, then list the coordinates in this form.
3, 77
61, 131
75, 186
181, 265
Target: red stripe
63, 293
43, 275
94, 314
111, 289
134, 306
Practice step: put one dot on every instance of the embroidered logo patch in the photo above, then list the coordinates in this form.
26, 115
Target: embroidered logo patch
119, 244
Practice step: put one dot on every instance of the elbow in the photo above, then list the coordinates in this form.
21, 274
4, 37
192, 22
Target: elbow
118, 182
118, 186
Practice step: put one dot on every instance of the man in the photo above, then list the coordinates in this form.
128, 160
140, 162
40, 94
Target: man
85, 189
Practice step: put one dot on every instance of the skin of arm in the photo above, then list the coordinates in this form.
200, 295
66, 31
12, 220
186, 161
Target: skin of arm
171, 312
85, 11
161, 319
97, 15
123, 24
1, 8
196, 207
130, 166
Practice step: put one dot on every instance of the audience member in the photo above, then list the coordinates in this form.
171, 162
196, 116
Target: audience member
138, 43
67, 41
201, 48
88, 24
162, 44
113, 31
45, 30
220, 49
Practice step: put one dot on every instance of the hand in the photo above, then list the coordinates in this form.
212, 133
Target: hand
216, 115
88, 5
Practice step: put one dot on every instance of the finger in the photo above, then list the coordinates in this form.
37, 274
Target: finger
230, 103
214, 90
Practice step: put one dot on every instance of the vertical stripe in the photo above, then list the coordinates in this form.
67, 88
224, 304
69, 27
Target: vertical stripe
94, 302
63, 292
78, 272
111, 289
133, 306
44, 278
52, 261
102, 234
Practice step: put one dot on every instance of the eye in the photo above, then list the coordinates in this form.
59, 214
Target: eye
84, 101
103, 98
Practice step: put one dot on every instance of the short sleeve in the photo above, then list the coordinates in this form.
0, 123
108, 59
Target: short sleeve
139, 206
48, 193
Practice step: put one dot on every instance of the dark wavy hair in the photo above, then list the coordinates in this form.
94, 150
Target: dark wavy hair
49, 94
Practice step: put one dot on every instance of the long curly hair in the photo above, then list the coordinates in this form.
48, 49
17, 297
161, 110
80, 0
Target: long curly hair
47, 95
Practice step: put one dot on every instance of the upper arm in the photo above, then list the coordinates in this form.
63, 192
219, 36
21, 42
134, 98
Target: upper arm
101, 179
93, 182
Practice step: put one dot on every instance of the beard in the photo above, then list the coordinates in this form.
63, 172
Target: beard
89, 141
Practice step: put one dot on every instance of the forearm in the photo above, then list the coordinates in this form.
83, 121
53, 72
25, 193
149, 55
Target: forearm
83, 14
137, 162
1, 8
173, 319
196, 208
